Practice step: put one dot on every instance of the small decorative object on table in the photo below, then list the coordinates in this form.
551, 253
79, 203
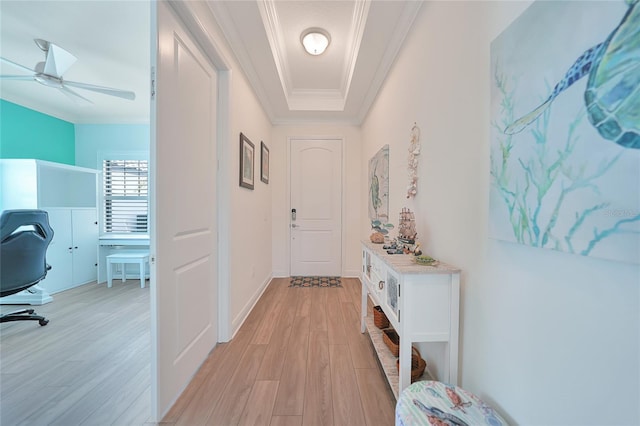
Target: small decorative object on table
407, 227
426, 260
393, 248
377, 238
380, 231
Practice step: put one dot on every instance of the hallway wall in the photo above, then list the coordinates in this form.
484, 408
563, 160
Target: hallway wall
546, 337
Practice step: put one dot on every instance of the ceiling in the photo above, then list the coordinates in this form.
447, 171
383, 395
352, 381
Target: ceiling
111, 41
109, 38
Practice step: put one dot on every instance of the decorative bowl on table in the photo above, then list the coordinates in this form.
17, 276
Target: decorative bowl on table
425, 260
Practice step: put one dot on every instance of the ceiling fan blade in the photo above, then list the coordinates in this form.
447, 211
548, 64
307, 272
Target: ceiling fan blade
73, 95
16, 77
58, 60
125, 94
42, 44
22, 67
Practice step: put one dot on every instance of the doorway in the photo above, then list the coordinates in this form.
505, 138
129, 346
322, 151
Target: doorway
315, 172
185, 330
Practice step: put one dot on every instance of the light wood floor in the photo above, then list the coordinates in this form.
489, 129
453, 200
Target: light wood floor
88, 366
298, 359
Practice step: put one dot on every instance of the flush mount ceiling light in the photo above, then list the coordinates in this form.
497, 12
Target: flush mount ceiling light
315, 40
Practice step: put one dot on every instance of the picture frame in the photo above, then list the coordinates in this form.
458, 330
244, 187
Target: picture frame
264, 163
247, 154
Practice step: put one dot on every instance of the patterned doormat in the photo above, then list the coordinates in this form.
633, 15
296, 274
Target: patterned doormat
315, 282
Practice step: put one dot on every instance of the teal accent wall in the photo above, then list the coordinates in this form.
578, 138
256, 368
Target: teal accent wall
25, 133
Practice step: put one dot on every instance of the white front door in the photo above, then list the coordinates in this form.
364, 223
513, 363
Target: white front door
183, 214
316, 197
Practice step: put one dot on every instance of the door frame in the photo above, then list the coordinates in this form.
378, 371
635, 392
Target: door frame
341, 139
212, 52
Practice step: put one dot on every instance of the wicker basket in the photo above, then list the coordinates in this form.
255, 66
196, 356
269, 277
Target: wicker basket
379, 318
417, 364
392, 340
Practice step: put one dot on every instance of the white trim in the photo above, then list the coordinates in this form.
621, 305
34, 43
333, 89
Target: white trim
343, 214
214, 53
223, 191
351, 273
248, 307
309, 100
280, 274
156, 415
221, 14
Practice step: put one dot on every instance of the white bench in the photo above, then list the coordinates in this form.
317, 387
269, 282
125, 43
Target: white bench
123, 258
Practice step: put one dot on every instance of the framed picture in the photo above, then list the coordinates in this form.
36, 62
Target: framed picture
264, 163
247, 152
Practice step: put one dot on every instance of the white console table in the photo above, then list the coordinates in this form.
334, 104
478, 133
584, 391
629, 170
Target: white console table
422, 304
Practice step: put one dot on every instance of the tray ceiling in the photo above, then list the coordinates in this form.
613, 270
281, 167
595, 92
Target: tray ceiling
111, 41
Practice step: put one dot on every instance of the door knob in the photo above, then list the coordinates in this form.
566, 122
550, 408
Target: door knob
293, 225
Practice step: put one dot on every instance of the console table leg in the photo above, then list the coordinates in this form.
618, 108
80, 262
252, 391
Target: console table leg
363, 307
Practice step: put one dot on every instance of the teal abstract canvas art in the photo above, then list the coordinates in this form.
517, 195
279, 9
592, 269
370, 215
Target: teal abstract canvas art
565, 129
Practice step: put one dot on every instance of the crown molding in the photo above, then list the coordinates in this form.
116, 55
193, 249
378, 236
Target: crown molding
405, 22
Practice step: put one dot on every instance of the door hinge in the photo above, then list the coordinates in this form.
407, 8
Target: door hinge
153, 83
398, 290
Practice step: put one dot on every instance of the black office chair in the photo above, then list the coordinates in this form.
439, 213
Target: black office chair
24, 238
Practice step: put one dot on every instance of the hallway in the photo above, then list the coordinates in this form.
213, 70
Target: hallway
299, 358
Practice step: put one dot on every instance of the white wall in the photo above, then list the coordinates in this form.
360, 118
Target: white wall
546, 337
250, 231
351, 192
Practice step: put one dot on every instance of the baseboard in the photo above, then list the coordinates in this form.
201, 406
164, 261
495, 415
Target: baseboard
35, 295
244, 313
351, 273
280, 274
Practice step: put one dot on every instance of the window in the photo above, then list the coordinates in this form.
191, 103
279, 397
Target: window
125, 188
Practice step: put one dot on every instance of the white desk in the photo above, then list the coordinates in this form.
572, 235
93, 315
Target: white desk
111, 243
124, 240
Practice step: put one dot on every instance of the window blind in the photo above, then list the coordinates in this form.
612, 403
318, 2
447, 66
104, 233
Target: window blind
126, 193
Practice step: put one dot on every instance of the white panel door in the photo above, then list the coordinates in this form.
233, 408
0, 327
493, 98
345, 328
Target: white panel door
60, 252
316, 196
183, 197
85, 245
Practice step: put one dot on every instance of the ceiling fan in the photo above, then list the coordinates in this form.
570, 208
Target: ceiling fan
49, 73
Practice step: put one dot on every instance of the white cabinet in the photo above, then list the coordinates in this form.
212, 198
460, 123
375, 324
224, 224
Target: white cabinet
422, 304
73, 253
69, 195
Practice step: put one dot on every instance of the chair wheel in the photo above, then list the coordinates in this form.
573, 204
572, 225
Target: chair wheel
43, 322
